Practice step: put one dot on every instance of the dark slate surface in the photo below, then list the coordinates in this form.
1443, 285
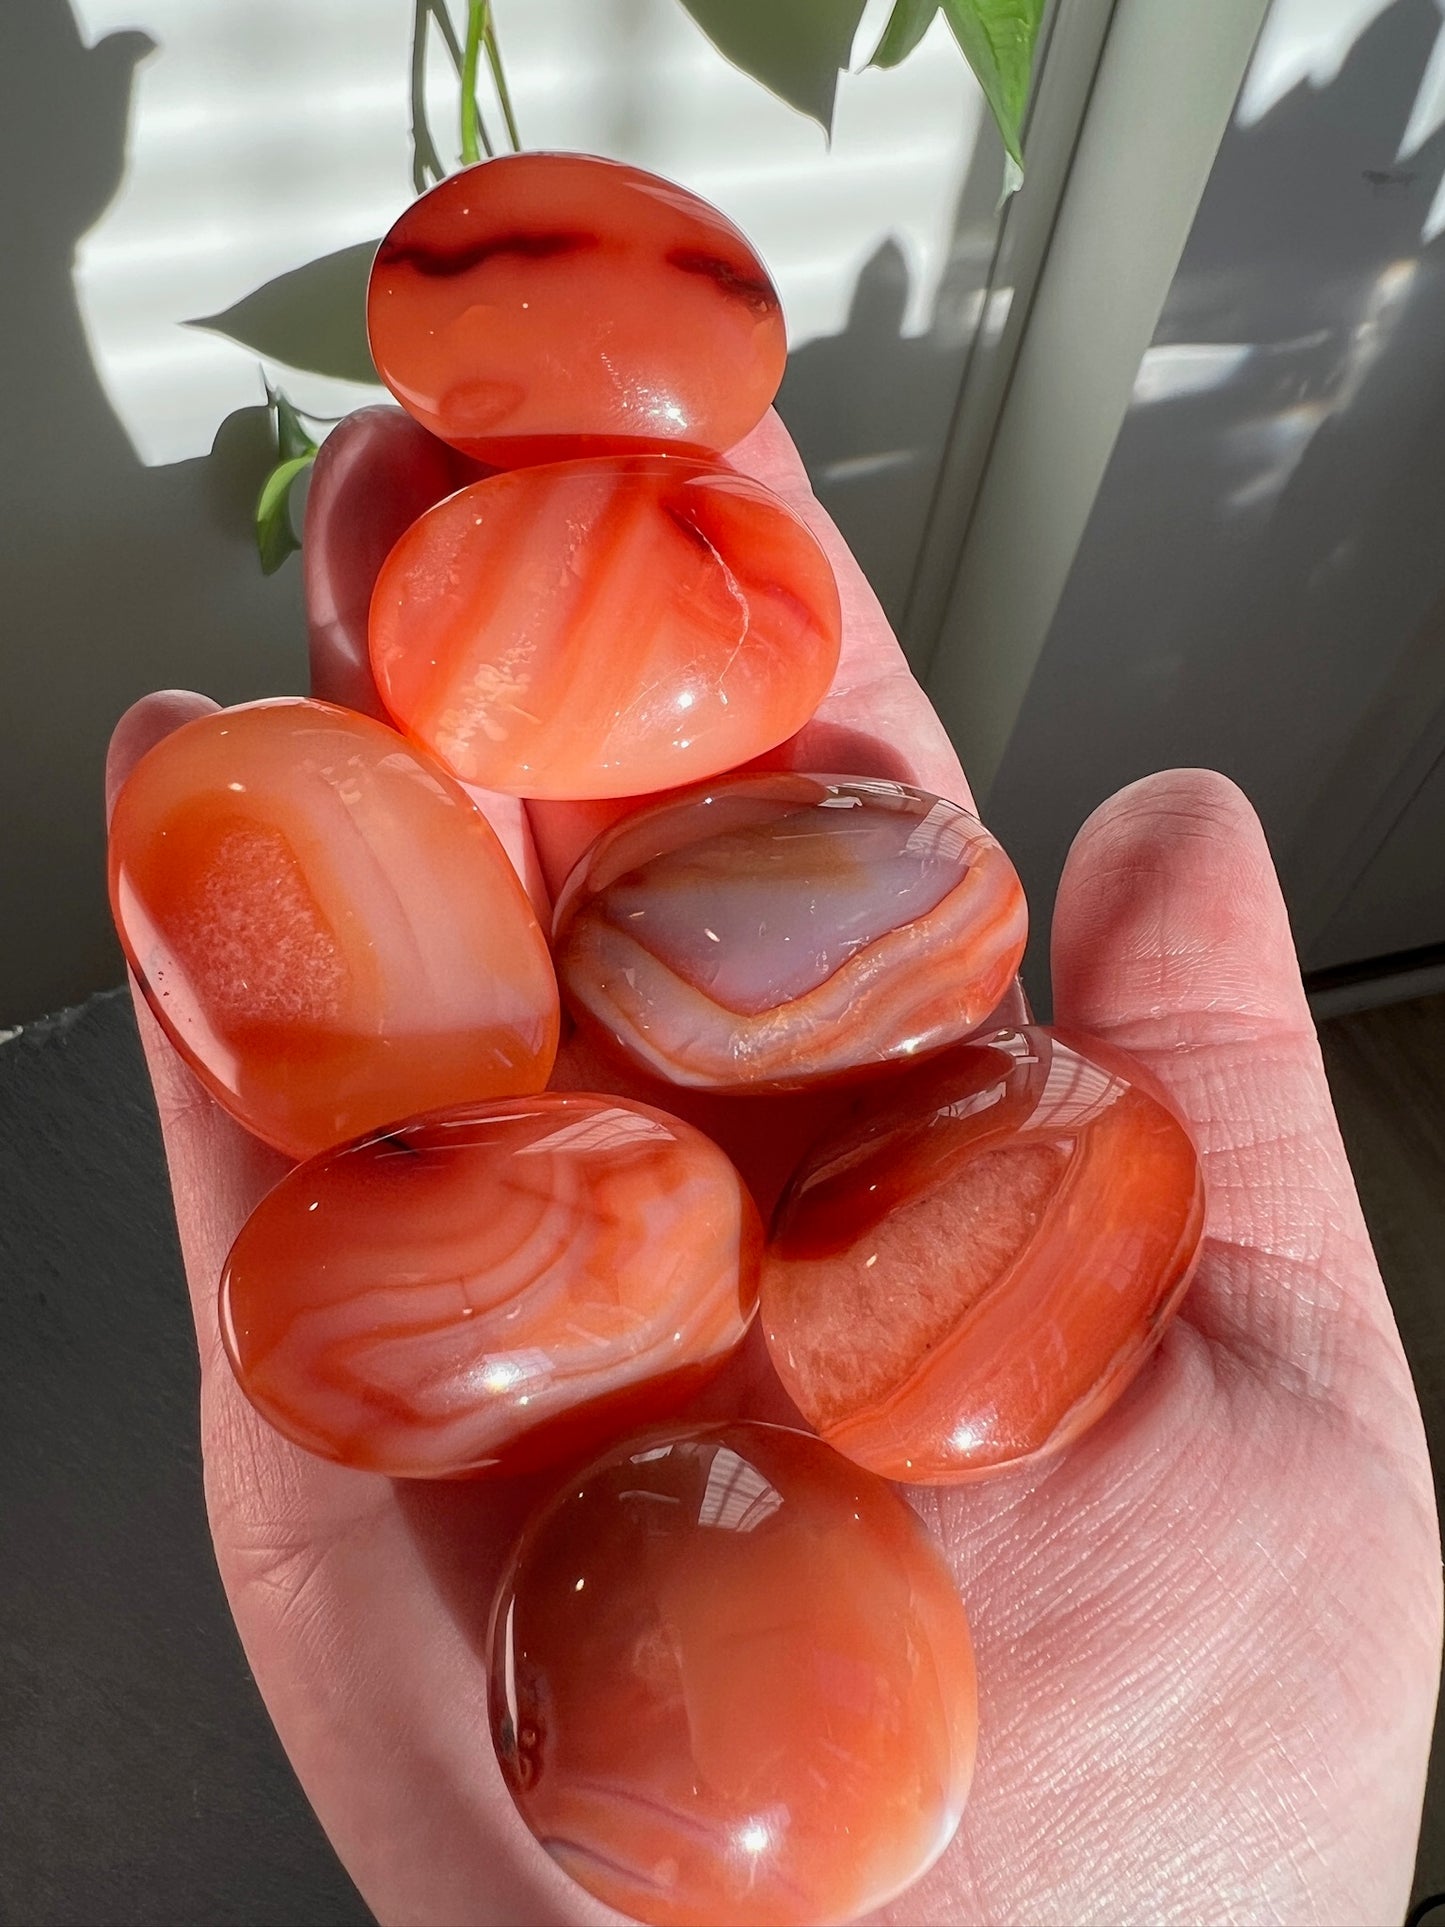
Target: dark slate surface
140, 1780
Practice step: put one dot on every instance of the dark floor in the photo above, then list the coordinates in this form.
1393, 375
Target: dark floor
1387, 1072
140, 1781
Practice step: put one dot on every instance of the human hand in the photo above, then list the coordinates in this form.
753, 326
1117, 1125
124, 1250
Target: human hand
1207, 1634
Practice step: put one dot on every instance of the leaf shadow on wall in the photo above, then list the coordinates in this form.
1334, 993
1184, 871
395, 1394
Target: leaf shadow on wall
121, 578
1262, 566
117, 578
871, 407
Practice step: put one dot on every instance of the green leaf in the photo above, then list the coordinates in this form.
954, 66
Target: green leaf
998, 38
907, 24
275, 534
796, 48
313, 317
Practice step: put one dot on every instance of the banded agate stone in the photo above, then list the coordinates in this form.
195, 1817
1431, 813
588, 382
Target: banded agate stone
604, 628
540, 306
324, 924
732, 1682
491, 1287
777, 930
972, 1276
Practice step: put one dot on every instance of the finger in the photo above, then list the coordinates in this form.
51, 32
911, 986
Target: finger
363, 1625
1171, 939
142, 726
875, 719
375, 473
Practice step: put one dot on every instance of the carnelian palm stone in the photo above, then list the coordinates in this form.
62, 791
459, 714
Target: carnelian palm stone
604, 627
542, 305
777, 930
325, 925
732, 1683
972, 1275
491, 1287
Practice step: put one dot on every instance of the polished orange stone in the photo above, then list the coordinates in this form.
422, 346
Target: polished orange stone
604, 628
545, 305
491, 1287
325, 925
780, 930
732, 1683
972, 1275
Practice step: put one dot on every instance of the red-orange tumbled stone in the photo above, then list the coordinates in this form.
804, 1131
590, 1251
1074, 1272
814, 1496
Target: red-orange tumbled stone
491, 1287
778, 930
325, 925
972, 1276
604, 628
732, 1683
545, 305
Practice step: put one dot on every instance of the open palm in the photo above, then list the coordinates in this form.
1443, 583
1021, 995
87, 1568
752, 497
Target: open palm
1208, 1634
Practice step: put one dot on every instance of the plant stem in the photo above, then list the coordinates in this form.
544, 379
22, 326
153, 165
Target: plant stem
499, 78
474, 136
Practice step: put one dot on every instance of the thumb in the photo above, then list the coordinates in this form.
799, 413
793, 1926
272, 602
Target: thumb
1171, 940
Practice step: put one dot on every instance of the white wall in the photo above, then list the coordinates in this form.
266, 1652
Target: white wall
264, 135
1261, 586
161, 158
